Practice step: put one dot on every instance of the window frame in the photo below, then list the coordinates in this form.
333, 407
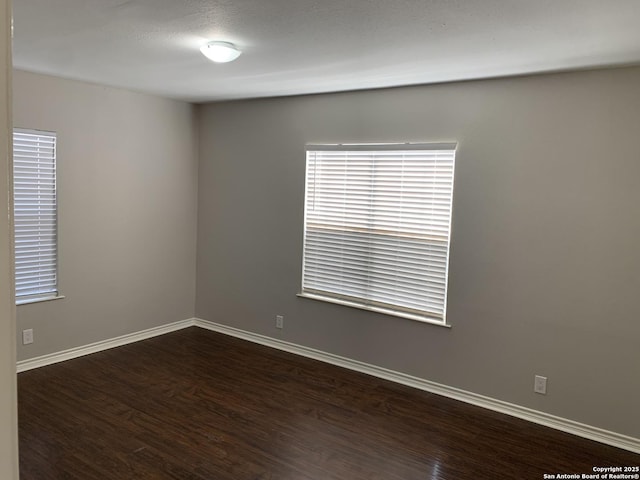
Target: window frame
53, 294
363, 303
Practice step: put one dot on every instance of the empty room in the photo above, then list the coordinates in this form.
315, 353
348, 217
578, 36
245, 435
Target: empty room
306, 239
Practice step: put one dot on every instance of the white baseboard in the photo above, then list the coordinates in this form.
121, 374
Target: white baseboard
569, 426
24, 365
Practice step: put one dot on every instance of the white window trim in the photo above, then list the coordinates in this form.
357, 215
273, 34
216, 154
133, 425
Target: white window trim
52, 295
362, 303
372, 308
38, 299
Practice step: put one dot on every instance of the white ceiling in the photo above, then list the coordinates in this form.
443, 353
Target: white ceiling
310, 46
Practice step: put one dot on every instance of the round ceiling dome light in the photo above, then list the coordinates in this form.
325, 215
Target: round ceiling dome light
220, 52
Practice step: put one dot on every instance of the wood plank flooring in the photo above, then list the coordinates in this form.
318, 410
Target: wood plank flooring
196, 405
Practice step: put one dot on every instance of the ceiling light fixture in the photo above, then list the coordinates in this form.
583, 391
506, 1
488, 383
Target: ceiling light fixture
220, 52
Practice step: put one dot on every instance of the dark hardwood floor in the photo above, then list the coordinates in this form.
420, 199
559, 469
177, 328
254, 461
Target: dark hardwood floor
198, 405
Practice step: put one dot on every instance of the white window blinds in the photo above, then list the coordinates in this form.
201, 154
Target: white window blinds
377, 224
34, 175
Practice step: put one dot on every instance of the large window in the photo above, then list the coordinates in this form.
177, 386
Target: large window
377, 225
34, 180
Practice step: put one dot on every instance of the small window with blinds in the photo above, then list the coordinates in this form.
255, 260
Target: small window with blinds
377, 227
35, 215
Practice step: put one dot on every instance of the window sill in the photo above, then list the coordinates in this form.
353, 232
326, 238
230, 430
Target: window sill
384, 311
44, 298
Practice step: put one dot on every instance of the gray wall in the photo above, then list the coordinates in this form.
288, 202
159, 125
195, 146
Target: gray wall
127, 178
8, 422
545, 266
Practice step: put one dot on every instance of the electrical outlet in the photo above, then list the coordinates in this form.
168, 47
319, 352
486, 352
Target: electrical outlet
279, 321
27, 336
540, 385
